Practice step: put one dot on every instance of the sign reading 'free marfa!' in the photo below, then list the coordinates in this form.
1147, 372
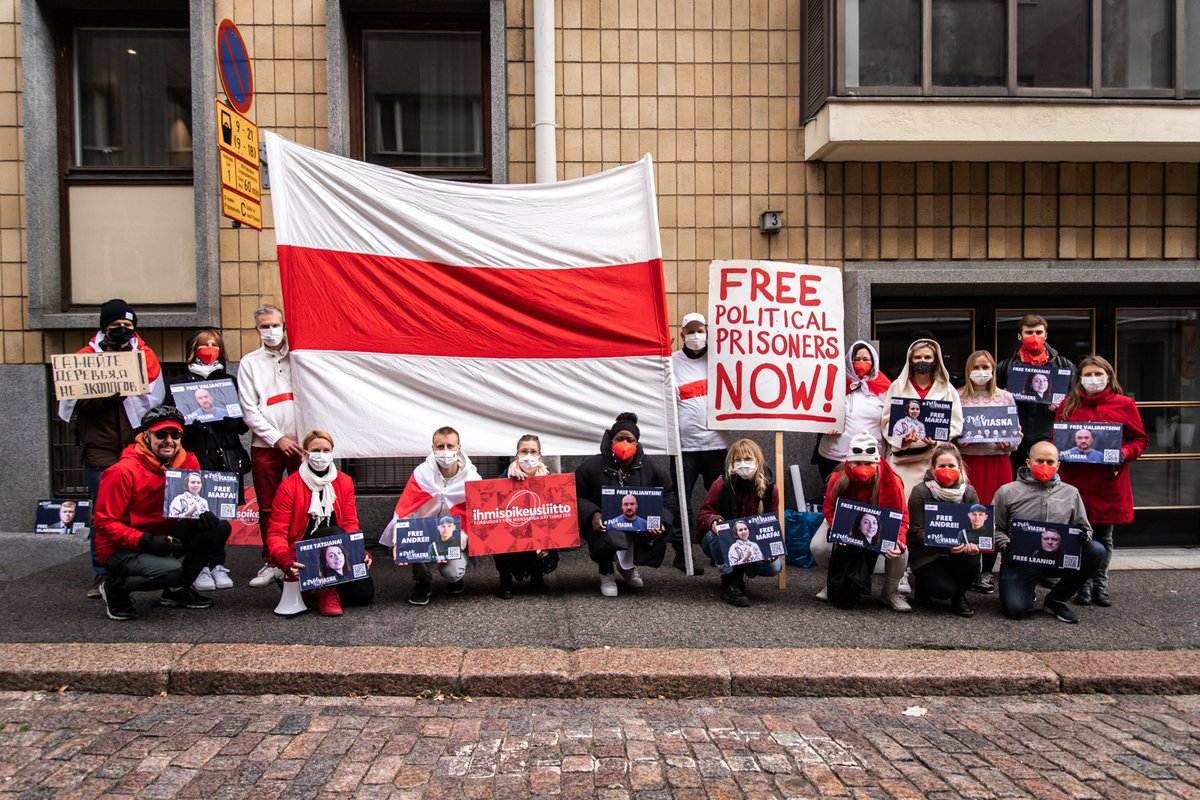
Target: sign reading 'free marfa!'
776, 347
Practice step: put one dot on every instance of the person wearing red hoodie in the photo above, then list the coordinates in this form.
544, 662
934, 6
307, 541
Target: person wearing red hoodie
139, 548
316, 500
1096, 396
868, 479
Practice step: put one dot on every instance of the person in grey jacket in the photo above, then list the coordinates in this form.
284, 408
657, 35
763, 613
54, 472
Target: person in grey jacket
1039, 495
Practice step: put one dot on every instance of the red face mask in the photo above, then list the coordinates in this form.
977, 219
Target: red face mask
861, 472
1034, 344
624, 450
1044, 472
946, 476
861, 368
207, 354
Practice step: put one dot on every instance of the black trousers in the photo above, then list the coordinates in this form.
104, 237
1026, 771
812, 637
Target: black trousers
134, 571
850, 571
1018, 581
705, 464
357, 593
947, 577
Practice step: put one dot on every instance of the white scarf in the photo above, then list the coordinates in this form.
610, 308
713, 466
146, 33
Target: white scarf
947, 494
323, 495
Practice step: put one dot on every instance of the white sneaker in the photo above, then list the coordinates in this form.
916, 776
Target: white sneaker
896, 601
904, 587
608, 585
631, 576
266, 576
823, 594
204, 581
221, 577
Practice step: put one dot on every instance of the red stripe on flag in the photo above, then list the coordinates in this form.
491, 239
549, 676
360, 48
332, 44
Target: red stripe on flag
382, 304
694, 389
280, 398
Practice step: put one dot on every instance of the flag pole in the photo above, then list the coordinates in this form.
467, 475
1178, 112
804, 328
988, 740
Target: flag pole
684, 520
781, 581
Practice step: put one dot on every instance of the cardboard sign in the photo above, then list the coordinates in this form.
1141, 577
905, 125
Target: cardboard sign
948, 525
631, 509
866, 526
189, 493
747, 540
510, 516
1048, 544
928, 418
78, 376
330, 560
421, 540
1088, 442
776, 347
1045, 385
983, 424
207, 401
61, 516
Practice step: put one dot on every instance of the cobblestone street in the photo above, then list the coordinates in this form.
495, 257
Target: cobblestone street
1089, 746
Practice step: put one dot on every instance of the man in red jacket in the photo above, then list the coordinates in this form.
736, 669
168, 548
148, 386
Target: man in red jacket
140, 549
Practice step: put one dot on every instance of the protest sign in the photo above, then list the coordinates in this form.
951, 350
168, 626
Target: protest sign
776, 357
510, 516
189, 493
631, 508
747, 540
61, 516
1048, 544
1046, 385
330, 560
866, 526
1088, 442
990, 424
78, 376
927, 418
244, 527
948, 525
207, 401
420, 540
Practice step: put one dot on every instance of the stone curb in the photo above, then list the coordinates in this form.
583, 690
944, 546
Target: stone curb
149, 668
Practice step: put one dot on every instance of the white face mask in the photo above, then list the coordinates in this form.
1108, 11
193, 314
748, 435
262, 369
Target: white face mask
203, 370
529, 462
745, 469
271, 337
320, 460
446, 458
695, 341
1093, 385
980, 376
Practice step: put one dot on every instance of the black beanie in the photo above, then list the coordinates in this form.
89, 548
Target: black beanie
626, 421
114, 310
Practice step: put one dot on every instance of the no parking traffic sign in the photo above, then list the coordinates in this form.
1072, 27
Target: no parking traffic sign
233, 61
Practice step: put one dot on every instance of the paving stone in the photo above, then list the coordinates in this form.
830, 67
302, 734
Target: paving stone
1127, 671
648, 672
131, 668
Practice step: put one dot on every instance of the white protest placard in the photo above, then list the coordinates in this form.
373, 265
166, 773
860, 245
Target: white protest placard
776, 347
78, 376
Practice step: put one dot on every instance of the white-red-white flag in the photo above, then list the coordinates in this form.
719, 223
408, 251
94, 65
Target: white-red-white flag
498, 310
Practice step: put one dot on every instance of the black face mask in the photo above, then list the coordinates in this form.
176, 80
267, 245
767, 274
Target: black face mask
922, 367
119, 336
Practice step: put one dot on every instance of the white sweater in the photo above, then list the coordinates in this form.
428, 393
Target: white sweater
265, 388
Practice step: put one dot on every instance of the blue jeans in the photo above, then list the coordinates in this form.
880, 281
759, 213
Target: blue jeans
92, 475
711, 545
1018, 582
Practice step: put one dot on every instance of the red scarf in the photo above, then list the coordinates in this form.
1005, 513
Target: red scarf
876, 386
1038, 360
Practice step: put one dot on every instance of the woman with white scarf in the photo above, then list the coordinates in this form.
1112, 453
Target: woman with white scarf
941, 573
532, 564
316, 500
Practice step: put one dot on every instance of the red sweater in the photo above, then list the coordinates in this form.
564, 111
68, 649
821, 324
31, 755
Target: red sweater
891, 495
1106, 492
747, 505
130, 500
289, 516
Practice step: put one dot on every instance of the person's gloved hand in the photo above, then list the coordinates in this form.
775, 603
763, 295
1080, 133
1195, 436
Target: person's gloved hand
207, 521
154, 545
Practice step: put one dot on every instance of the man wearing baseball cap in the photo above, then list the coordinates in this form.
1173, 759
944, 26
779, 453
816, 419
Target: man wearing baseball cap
703, 450
139, 548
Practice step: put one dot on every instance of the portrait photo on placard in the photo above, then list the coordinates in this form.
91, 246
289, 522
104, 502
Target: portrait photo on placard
1088, 442
421, 540
61, 516
928, 419
330, 560
1033, 384
747, 540
1047, 544
189, 493
866, 526
990, 424
948, 525
631, 509
207, 401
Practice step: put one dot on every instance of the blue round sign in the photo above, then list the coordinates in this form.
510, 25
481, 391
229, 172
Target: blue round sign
234, 62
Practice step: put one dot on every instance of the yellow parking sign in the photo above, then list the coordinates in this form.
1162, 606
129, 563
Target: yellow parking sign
241, 176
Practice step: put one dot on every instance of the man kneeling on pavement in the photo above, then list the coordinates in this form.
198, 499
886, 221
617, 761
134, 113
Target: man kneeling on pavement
139, 548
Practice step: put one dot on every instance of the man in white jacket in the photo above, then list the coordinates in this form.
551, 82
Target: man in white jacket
269, 408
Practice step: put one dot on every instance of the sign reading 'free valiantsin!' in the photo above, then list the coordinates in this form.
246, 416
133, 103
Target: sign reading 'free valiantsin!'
776, 347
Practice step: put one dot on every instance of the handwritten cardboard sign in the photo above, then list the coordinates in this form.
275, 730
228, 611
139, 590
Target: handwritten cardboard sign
78, 376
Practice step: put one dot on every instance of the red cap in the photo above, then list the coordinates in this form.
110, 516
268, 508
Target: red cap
165, 423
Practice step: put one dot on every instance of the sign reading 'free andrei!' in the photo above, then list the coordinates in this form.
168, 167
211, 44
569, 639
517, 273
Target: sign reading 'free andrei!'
776, 347
78, 376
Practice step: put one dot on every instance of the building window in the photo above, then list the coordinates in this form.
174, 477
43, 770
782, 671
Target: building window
883, 42
966, 48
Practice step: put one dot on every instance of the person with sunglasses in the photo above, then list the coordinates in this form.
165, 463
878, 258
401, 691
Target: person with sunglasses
866, 478
140, 549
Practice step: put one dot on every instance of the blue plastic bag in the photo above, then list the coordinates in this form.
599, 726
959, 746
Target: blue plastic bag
799, 529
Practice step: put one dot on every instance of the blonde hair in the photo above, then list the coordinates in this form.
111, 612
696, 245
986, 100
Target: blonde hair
969, 387
748, 447
316, 433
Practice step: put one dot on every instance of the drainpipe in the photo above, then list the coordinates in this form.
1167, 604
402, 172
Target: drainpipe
545, 156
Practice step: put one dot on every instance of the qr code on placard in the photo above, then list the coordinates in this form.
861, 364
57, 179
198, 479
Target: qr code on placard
985, 543
1070, 562
941, 434
1112, 456
228, 511
887, 546
234, 409
360, 570
653, 523
776, 548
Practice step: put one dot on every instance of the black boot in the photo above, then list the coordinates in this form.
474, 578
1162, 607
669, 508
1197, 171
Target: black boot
731, 592
681, 564
505, 591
